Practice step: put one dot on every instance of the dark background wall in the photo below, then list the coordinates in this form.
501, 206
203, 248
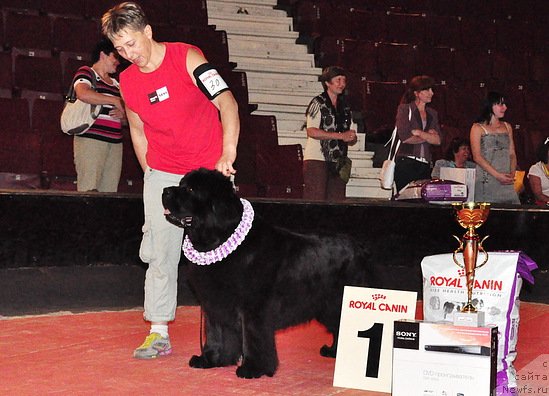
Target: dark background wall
80, 251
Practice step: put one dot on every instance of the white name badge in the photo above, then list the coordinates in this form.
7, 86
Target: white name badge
213, 82
364, 352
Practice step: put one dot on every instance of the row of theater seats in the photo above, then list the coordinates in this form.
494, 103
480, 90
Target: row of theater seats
33, 145
488, 30
458, 103
264, 168
500, 9
185, 12
378, 61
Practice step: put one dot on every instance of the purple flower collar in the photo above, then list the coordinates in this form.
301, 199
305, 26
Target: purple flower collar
229, 246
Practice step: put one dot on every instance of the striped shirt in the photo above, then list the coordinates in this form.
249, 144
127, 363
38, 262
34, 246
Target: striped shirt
105, 128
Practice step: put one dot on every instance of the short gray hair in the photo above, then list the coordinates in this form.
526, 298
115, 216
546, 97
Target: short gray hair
128, 15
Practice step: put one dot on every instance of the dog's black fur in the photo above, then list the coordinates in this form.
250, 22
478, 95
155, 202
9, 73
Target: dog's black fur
275, 279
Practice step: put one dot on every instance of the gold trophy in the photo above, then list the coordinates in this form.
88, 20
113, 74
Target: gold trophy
470, 215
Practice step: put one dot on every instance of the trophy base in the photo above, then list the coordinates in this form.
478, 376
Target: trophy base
472, 319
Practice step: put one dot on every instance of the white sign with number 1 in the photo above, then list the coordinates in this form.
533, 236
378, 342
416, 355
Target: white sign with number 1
365, 344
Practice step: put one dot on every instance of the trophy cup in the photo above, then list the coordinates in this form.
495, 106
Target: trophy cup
470, 215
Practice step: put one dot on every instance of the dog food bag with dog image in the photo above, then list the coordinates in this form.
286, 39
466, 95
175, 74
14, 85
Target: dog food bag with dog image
496, 293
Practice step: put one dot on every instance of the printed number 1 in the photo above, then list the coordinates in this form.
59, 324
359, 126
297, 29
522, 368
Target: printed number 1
375, 334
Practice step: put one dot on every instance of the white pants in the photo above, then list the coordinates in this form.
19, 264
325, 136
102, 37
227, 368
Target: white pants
160, 248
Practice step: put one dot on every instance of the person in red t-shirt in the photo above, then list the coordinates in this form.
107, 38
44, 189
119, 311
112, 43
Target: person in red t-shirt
182, 116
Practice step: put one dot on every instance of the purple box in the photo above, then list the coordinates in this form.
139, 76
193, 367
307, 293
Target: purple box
444, 190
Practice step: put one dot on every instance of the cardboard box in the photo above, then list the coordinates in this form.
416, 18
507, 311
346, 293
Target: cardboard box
437, 359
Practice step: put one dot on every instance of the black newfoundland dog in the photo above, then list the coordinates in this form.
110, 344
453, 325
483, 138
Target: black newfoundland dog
252, 281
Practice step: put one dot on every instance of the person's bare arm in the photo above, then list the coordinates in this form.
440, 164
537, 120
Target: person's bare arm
228, 110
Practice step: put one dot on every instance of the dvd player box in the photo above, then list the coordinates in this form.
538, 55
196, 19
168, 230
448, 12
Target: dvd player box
440, 359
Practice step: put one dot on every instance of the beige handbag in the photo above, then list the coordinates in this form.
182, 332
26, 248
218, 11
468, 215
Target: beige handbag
77, 116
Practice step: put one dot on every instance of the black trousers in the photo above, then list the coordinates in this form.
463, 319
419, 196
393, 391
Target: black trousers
408, 169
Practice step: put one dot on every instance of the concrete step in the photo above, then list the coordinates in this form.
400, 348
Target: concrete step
295, 100
225, 7
259, 80
266, 37
354, 191
272, 109
306, 92
289, 137
301, 62
275, 71
284, 22
281, 115
289, 59
365, 173
238, 24
242, 3
290, 125
360, 154
245, 44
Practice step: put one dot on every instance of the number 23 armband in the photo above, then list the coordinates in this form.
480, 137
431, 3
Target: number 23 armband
209, 81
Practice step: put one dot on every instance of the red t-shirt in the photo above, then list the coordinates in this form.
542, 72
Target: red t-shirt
182, 126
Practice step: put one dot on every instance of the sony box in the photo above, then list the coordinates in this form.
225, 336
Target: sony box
437, 359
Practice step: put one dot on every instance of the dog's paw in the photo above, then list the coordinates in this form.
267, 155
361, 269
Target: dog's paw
199, 362
327, 351
252, 371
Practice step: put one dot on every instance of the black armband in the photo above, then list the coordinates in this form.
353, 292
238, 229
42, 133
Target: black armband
209, 81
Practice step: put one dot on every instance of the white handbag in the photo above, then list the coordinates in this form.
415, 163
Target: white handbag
77, 116
387, 174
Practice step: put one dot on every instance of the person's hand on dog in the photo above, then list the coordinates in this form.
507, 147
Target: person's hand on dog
225, 165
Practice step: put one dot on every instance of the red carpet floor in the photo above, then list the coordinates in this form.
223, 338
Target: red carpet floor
90, 354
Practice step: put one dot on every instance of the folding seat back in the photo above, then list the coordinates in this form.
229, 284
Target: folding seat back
75, 35
405, 28
27, 31
213, 43
472, 64
188, 12
20, 148
6, 75
381, 100
360, 56
57, 147
393, 70
437, 62
38, 74
329, 51
280, 171
443, 30
478, 33
65, 8
370, 25
96, 8
131, 178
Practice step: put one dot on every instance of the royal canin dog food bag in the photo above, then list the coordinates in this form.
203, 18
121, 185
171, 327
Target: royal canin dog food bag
496, 292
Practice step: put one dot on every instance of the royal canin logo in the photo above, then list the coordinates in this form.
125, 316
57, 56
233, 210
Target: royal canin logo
486, 284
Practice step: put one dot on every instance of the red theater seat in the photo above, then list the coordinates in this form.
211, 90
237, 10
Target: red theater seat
280, 171
187, 12
75, 35
397, 62
20, 35
20, 148
405, 28
57, 147
380, 102
68, 8
6, 75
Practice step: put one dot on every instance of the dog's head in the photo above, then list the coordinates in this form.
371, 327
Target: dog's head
206, 204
